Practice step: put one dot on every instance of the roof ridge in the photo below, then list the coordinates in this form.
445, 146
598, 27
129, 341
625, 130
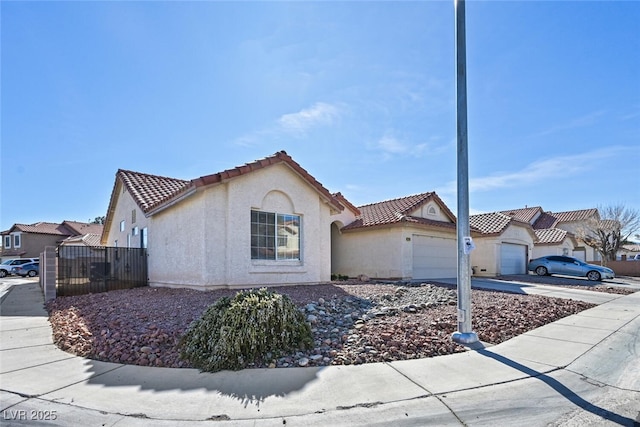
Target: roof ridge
426, 194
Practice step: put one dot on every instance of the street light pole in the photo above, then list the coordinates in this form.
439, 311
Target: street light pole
464, 334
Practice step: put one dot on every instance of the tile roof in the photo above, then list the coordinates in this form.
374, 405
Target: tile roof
523, 214
544, 221
550, 236
43, 228
578, 215
153, 192
90, 239
81, 228
150, 190
346, 203
399, 210
279, 157
490, 223
549, 219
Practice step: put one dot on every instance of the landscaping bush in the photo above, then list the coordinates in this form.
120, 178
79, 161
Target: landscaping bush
234, 332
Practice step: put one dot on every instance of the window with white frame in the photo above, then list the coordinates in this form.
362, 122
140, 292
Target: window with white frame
7, 242
275, 236
122, 225
16, 240
143, 238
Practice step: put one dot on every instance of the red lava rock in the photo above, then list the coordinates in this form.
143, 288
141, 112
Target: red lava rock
144, 326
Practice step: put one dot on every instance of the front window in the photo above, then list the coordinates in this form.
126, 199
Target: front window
122, 225
7, 242
275, 236
16, 240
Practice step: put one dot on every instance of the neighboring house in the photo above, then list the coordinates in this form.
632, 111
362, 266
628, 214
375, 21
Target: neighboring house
29, 240
571, 221
266, 222
554, 241
629, 251
409, 238
503, 244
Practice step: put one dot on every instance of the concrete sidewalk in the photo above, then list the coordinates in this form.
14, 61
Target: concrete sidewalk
581, 370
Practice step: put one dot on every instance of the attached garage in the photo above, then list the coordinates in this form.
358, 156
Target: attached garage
434, 257
513, 259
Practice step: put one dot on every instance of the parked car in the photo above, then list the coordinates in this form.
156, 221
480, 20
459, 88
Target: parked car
30, 269
635, 257
570, 266
7, 265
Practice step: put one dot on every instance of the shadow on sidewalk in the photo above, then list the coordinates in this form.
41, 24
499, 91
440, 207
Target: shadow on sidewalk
562, 390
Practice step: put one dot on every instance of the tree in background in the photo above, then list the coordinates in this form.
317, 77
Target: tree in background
98, 220
608, 233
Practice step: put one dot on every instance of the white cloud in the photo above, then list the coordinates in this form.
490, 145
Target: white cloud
542, 170
391, 146
579, 122
319, 114
297, 124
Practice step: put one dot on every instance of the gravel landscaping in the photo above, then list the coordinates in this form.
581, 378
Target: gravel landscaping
352, 322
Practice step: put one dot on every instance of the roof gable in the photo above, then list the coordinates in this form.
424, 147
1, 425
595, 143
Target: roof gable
82, 228
524, 214
579, 215
43, 228
281, 157
399, 210
490, 223
149, 191
548, 236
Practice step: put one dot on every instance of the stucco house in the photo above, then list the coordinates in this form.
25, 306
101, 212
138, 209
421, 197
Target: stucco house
409, 238
265, 222
503, 244
29, 240
553, 242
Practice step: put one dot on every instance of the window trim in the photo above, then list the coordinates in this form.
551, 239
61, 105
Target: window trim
17, 240
7, 241
123, 225
275, 237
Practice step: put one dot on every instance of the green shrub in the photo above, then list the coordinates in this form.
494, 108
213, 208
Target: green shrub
234, 332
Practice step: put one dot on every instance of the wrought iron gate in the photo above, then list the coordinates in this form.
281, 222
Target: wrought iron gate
84, 270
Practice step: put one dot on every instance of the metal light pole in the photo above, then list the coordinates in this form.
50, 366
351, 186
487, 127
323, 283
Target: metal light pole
463, 335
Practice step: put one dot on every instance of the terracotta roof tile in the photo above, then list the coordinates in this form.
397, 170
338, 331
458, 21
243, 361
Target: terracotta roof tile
550, 235
523, 214
578, 215
151, 190
279, 157
81, 228
346, 203
43, 228
399, 210
490, 223
544, 221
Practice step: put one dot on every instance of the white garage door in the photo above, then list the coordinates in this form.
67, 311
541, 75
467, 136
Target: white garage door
434, 257
513, 259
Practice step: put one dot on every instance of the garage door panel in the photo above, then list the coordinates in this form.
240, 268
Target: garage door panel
513, 259
434, 257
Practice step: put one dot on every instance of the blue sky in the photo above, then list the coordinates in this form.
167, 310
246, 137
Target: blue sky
361, 94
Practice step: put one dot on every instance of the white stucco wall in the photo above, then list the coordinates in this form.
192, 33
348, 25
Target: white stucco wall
384, 253
204, 241
123, 212
575, 228
376, 253
558, 249
486, 256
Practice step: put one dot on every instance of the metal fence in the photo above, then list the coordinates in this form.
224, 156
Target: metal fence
84, 270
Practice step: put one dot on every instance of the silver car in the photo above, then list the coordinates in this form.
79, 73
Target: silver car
569, 266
